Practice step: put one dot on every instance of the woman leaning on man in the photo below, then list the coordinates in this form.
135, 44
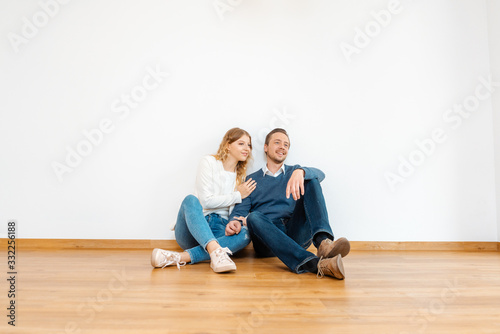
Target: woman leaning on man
202, 228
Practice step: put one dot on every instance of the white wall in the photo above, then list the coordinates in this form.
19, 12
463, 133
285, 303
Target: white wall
353, 118
493, 9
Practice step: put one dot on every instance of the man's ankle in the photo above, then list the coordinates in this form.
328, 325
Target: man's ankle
319, 237
311, 265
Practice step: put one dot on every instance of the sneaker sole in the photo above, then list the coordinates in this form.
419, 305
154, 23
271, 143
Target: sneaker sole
153, 257
223, 269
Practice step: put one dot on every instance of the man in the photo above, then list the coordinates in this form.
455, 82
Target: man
285, 226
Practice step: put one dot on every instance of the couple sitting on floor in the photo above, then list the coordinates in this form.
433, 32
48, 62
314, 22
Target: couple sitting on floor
281, 208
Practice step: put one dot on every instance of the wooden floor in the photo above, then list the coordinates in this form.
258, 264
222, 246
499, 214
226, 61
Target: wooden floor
117, 291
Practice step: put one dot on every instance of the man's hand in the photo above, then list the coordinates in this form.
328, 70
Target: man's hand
233, 227
242, 220
295, 185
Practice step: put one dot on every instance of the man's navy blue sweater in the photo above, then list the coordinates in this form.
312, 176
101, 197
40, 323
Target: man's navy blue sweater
269, 197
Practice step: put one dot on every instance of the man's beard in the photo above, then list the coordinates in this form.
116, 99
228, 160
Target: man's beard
277, 160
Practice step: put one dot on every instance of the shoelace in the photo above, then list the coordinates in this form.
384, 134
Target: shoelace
328, 241
221, 255
320, 273
171, 258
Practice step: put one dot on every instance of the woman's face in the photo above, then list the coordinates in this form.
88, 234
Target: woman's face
240, 149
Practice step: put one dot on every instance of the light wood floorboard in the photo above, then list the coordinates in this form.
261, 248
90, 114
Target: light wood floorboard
117, 291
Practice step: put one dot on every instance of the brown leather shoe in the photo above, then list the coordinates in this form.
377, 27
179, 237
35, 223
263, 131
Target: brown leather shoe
329, 248
331, 267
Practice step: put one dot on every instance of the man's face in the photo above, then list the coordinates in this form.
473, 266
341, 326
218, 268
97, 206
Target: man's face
277, 149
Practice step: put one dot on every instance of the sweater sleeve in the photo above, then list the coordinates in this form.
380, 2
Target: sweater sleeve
242, 209
313, 173
207, 178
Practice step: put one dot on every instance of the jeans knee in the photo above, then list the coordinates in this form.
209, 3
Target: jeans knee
254, 218
312, 183
257, 221
191, 201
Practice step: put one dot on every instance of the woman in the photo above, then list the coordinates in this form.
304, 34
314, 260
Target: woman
202, 229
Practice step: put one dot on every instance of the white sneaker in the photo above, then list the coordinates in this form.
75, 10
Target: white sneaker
220, 261
161, 258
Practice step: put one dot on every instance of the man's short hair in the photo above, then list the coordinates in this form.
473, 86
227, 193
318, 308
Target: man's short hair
268, 137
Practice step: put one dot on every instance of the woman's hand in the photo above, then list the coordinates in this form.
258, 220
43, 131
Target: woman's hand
233, 227
246, 188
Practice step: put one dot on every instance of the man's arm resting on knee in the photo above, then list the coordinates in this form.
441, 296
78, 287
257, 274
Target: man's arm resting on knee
313, 173
295, 185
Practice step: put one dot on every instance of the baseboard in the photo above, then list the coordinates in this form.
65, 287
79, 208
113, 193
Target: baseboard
41, 244
468, 246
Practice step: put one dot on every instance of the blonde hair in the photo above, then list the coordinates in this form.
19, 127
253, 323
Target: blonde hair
230, 137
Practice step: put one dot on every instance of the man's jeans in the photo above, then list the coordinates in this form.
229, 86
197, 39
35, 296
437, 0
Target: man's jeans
193, 231
289, 239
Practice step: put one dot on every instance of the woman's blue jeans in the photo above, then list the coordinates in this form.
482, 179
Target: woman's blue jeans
193, 231
288, 239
